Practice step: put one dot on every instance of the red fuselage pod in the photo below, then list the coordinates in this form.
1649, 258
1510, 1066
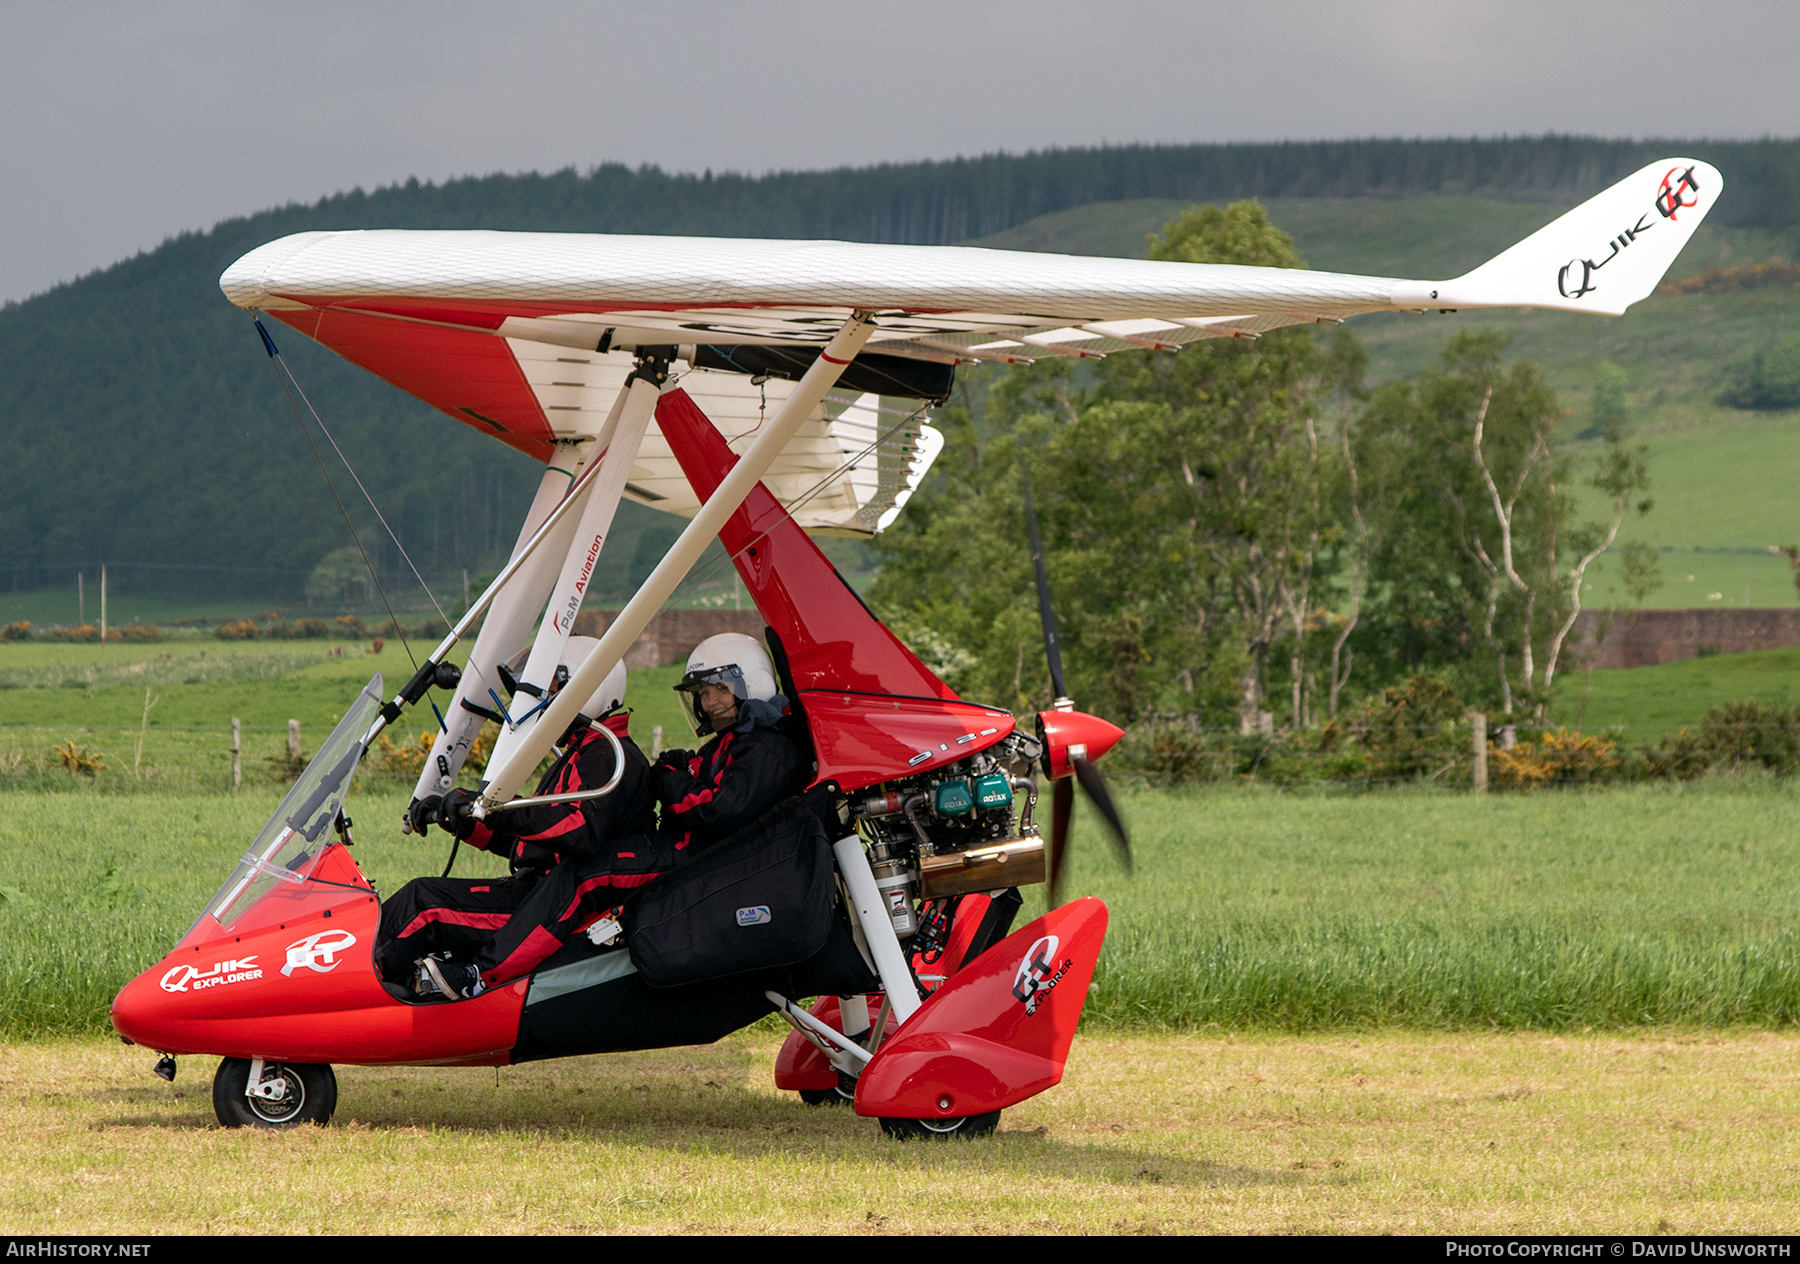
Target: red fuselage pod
292, 980
1067, 733
997, 1031
874, 710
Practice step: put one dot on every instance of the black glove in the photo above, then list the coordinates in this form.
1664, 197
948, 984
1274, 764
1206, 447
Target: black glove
423, 812
456, 813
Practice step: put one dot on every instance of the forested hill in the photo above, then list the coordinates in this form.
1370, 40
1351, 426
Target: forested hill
140, 425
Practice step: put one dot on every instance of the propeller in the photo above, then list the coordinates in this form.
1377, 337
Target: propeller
1062, 795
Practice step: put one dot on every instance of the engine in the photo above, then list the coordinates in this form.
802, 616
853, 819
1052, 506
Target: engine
952, 831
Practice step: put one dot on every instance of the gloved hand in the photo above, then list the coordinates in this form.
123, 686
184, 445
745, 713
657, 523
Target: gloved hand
424, 812
456, 812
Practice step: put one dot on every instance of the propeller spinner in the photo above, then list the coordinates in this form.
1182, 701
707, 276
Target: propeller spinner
1072, 740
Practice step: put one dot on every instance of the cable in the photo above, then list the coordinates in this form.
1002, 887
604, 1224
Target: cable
364, 490
274, 364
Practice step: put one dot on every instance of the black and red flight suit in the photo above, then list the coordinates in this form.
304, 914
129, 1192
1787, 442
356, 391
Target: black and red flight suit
741, 773
572, 862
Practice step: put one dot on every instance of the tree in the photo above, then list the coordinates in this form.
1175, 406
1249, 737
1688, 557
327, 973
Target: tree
1238, 426
1485, 477
341, 578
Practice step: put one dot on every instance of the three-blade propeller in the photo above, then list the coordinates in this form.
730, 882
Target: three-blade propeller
1062, 801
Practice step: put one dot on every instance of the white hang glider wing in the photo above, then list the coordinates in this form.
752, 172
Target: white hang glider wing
528, 336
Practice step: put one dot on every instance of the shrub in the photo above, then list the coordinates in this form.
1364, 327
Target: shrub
1180, 752
84, 632
79, 760
403, 760
1559, 757
1761, 732
242, 630
348, 625
432, 629
1682, 756
1765, 379
141, 633
1410, 730
20, 631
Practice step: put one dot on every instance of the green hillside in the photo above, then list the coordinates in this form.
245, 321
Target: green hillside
1722, 478
140, 425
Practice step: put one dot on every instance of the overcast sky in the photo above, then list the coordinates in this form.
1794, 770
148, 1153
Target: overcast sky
123, 123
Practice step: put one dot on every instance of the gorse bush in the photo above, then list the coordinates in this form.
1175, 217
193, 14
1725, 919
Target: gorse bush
82, 632
1555, 758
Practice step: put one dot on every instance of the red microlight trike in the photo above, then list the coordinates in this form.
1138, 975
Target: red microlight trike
763, 389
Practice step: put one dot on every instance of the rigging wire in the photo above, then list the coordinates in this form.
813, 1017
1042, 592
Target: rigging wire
379, 517
274, 364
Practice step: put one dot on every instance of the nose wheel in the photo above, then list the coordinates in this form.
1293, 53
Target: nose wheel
286, 1095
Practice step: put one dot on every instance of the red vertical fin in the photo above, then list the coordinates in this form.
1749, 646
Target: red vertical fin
832, 641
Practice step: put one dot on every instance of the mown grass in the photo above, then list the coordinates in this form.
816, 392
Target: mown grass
1396, 1132
1249, 910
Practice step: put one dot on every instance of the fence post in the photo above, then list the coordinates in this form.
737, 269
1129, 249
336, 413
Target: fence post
293, 739
655, 740
1478, 732
237, 753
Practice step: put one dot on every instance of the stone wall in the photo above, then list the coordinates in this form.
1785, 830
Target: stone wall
1643, 638
673, 634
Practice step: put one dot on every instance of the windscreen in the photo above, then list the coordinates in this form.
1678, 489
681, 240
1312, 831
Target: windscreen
289, 846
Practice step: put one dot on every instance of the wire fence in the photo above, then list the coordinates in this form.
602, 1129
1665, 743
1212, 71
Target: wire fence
1466, 753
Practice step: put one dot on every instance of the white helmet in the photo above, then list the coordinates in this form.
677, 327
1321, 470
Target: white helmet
732, 659
610, 696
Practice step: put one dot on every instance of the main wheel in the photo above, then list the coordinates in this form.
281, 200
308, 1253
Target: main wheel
843, 1095
305, 1093
965, 1126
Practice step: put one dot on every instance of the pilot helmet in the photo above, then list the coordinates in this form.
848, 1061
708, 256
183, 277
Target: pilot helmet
609, 697
731, 659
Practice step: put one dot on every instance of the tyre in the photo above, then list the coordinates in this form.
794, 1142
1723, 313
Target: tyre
307, 1094
843, 1095
964, 1126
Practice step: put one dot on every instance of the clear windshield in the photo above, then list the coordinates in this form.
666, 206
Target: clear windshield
289, 846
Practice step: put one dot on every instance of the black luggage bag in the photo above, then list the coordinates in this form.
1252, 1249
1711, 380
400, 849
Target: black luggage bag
763, 898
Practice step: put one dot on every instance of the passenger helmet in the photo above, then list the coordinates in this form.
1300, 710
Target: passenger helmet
732, 659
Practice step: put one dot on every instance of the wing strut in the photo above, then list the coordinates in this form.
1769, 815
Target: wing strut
622, 439
505, 778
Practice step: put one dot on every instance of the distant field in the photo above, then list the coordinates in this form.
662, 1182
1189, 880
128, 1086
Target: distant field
57, 607
96, 698
1643, 703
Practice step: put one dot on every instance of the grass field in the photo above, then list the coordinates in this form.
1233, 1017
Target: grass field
1249, 910
1649, 1133
1640, 704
